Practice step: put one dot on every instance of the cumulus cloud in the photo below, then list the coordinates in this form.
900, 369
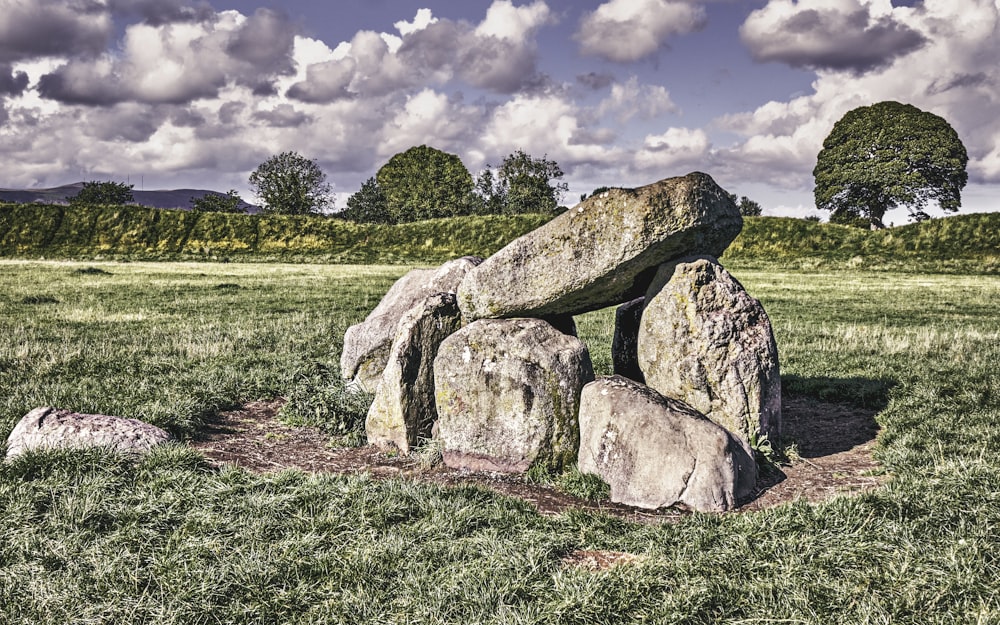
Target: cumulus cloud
630, 99
37, 28
499, 54
629, 30
11, 82
282, 116
180, 62
855, 35
673, 150
596, 81
952, 74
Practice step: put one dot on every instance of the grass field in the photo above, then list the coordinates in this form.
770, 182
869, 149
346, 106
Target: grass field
95, 538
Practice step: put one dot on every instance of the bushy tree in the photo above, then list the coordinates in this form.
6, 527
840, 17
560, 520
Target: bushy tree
289, 183
230, 202
368, 205
423, 183
103, 193
886, 155
748, 207
522, 184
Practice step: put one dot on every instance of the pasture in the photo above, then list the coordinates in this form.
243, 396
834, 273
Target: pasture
97, 538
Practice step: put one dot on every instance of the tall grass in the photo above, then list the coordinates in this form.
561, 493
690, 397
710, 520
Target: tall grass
97, 538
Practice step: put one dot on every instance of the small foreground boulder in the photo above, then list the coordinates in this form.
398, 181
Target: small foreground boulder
655, 452
403, 411
508, 393
366, 345
53, 428
705, 341
602, 252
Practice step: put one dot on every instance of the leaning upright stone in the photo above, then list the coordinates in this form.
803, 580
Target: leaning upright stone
655, 452
53, 428
705, 341
602, 252
508, 395
366, 345
625, 342
403, 410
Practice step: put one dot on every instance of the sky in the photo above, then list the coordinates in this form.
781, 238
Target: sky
188, 93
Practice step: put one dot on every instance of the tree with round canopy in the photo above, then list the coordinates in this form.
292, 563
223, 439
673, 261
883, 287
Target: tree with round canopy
886, 155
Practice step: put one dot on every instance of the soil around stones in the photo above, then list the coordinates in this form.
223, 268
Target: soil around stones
832, 455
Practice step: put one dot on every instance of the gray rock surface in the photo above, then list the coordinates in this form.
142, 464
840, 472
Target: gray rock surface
625, 342
508, 395
705, 341
656, 452
602, 252
53, 428
366, 345
403, 410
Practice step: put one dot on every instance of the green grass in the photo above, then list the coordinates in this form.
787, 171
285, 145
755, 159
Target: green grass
96, 538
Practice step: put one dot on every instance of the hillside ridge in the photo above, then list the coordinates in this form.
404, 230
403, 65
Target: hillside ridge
969, 242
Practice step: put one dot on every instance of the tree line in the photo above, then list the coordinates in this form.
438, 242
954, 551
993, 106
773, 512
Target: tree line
875, 158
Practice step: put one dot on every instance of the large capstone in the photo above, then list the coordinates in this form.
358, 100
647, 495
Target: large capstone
403, 411
705, 341
53, 428
602, 252
656, 452
366, 345
508, 393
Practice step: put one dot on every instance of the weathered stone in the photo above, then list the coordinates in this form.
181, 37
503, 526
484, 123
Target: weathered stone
403, 410
704, 340
366, 345
602, 252
655, 452
508, 394
625, 342
52, 428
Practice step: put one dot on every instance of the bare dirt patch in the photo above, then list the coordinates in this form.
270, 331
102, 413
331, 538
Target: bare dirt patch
833, 442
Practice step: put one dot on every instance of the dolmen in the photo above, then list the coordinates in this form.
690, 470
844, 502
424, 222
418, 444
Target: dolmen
483, 354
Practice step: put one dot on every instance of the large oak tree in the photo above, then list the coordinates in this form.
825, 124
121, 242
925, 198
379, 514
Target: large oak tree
886, 155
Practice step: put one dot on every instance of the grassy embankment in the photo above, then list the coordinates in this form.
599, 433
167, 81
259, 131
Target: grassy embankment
959, 243
90, 537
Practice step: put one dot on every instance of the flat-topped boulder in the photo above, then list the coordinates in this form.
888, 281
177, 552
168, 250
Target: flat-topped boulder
54, 428
655, 451
508, 393
602, 252
707, 342
403, 411
366, 345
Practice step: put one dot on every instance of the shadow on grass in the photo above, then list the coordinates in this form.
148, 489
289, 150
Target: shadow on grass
823, 415
859, 392
830, 423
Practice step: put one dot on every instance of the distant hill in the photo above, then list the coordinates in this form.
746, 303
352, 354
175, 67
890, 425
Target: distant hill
173, 198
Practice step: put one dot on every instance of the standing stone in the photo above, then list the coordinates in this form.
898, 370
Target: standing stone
403, 410
366, 345
53, 428
602, 252
655, 452
508, 393
625, 343
705, 341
